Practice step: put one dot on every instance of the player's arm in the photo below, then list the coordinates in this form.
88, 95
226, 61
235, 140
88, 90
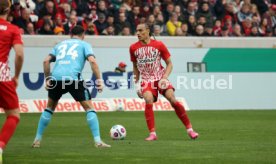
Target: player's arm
136, 78
19, 58
136, 73
95, 68
169, 67
46, 67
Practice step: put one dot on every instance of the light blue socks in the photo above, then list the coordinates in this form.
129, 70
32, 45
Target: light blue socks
45, 118
93, 124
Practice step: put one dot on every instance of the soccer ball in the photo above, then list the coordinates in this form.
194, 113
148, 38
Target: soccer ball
118, 132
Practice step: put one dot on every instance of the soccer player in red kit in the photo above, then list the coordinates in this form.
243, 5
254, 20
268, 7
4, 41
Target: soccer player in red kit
10, 37
146, 55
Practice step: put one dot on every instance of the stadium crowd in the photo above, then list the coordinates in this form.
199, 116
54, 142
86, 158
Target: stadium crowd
165, 17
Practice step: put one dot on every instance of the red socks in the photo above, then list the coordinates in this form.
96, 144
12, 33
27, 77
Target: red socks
149, 115
182, 115
8, 130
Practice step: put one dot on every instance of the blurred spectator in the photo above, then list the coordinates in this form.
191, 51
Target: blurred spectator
178, 32
83, 6
101, 24
255, 19
121, 67
151, 21
254, 31
23, 20
156, 10
134, 17
110, 30
244, 13
48, 9
47, 28
126, 31
262, 6
201, 20
199, 30
217, 28
179, 13
145, 10
269, 32
254, 11
173, 24
211, 14
263, 26
128, 4
185, 29
228, 22
102, 9
157, 30
30, 29
110, 20
58, 21
65, 11
71, 23
168, 11
225, 31
237, 31
121, 23
191, 24
191, 10
205, 12
246, 25
208, 30
91, 29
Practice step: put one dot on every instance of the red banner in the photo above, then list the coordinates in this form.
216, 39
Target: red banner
100, 105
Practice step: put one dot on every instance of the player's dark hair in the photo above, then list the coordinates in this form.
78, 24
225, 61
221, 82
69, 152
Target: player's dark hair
150, 29
77, 30
4, 6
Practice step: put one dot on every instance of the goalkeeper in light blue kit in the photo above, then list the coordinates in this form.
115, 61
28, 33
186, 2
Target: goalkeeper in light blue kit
69, 57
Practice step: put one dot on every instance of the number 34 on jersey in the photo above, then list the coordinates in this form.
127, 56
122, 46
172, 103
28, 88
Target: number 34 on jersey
64, 50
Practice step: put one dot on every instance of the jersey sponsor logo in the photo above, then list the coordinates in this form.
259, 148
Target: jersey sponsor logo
3, 27
151, 60
64, 62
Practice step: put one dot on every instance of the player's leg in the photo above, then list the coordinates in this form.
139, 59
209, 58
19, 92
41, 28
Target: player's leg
93, 123
150, 95
54, 95
44, 121
149, 115
180, 112
82, 95
9, 101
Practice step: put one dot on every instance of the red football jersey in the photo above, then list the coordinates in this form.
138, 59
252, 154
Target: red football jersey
10, 35
148, 58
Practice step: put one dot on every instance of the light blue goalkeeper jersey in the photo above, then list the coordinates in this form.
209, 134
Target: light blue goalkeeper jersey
70, 56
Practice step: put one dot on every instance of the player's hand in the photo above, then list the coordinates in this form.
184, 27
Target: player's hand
99, 85
47, 84
138, 90
15, 80
163, 83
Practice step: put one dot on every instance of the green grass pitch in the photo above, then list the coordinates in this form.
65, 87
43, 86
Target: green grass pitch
232, 137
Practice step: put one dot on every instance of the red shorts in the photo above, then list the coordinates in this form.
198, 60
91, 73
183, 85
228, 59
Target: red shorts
8, 96
154, 88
